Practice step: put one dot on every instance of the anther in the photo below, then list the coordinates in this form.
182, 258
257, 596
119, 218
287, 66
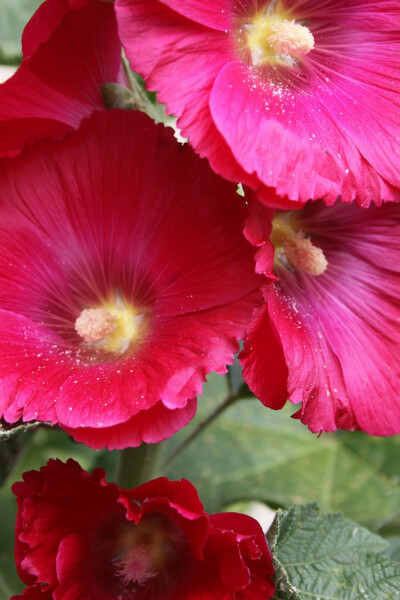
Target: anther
303, 255
95, 324
274, 40
290, 38
113, 327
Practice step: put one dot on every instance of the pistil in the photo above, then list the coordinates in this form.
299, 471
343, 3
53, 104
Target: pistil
152, 549
112, 327
304, 256
274, 39
293, 249
136, 566
290, 38
95, 324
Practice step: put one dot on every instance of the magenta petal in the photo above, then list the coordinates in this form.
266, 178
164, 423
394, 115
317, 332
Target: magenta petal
281, 135
215, 15
150, 426
15, 132
262, 354
377, 144
30, 376
44, 21
186, 97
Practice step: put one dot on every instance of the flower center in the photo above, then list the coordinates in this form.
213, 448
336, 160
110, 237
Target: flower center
136, 566
274, 39
112, 327
294, 250
152, 548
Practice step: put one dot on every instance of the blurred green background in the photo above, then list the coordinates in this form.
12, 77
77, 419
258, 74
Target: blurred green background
14, 14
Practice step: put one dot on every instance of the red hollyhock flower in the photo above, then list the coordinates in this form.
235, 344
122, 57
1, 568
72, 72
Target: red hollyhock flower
296, 95
71, 48
329, 334
78, 536
124, 279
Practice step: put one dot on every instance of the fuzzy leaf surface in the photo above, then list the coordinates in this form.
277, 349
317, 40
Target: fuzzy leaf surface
328, 557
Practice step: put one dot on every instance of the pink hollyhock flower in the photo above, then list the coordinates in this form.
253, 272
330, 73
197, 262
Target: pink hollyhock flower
329, 333
78, 536
297, 95
71, 48
124, 279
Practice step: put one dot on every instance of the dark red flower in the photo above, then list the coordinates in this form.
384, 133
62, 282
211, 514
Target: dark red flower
124, 280
302, 96
328, 336
79, 537
71, 48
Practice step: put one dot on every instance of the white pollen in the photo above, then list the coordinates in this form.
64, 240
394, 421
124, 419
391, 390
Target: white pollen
290, 38
95, 324
304, 256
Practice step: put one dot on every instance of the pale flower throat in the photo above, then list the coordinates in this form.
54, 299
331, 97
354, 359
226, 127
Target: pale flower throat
112, 327
294, 250
274, 39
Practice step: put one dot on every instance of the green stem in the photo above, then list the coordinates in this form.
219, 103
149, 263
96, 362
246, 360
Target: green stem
142, 101
137, 465
200, 428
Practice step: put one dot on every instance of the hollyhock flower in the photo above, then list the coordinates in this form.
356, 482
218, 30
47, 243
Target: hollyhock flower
71, 48
329, 333
78, 536
124, 279
296, 95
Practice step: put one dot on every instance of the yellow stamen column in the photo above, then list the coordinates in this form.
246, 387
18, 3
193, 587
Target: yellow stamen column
112, 327
273, 39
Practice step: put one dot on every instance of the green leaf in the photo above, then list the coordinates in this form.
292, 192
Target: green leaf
14, 16
283, 586
393, 550
390, 531
328, 557
253, 453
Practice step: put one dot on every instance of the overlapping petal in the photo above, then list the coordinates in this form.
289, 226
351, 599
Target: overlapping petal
71, 49
213, 15
44, 21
